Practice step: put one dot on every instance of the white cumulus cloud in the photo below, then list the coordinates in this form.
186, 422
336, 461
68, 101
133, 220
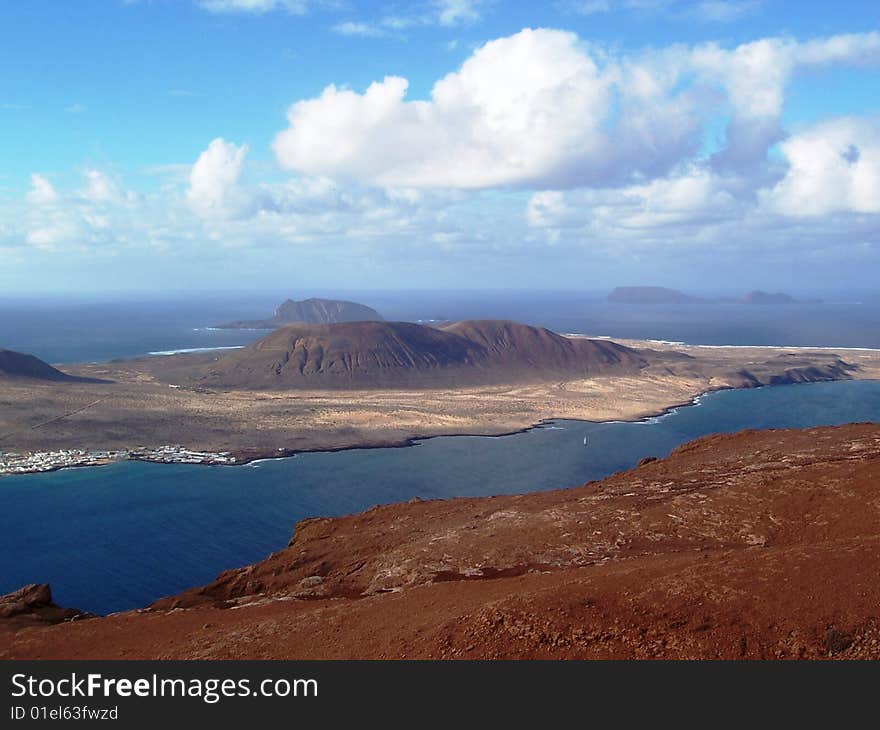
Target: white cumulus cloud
543, 109
519, 109
834, 166
609, 146
214, 178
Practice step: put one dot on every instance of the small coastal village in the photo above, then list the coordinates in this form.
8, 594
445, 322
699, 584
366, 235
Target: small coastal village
44, 461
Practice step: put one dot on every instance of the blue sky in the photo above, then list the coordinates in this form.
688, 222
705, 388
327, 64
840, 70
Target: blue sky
151, 144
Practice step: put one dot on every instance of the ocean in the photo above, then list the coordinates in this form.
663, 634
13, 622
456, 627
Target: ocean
65, 330
120, 536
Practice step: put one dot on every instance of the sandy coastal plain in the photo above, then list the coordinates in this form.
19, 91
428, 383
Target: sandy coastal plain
141, 409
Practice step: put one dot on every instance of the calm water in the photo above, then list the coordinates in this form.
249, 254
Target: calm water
121, 536
78, 330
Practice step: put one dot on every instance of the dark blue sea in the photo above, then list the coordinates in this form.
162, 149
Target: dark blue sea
118, 537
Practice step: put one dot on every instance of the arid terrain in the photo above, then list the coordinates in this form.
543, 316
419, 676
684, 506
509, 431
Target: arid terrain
757, 545
149, 402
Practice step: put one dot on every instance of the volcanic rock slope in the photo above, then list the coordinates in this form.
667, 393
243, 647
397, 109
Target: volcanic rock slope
311, 311
325, 311
20, 365
32, 605
386, 354
753, 545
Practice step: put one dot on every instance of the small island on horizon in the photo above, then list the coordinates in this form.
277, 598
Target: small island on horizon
309, 311
658, 295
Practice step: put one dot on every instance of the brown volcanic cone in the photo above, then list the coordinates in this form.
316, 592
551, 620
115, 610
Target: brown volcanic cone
512, 343
19, 365
388, 354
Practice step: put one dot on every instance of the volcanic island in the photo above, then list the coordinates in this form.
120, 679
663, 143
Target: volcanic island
750, 545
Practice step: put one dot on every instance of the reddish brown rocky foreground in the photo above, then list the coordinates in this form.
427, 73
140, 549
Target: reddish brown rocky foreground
32, 605
755, 545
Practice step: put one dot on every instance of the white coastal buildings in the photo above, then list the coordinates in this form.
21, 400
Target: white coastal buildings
42, 461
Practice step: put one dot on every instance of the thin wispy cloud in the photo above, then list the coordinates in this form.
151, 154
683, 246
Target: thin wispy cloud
435, 13
256, 7
725, 11
359, 29
459, 12
710, 11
